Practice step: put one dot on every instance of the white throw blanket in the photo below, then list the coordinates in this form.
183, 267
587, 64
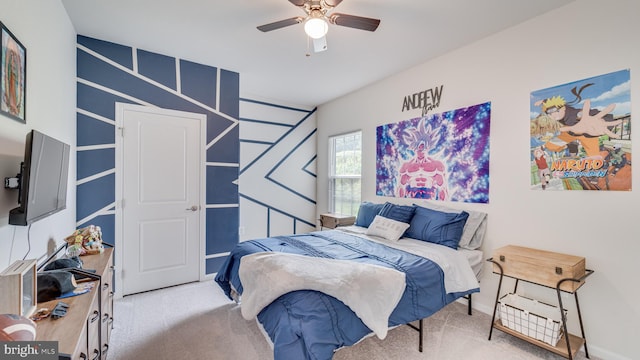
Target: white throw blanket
370, 291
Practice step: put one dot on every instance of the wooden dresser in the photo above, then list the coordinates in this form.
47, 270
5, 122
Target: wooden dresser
84, 332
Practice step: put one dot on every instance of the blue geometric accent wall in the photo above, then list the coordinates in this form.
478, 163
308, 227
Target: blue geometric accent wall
108, 73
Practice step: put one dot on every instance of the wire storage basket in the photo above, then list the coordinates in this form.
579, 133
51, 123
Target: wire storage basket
532, 318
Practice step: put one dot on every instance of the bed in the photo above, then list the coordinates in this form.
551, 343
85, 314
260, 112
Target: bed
315, 293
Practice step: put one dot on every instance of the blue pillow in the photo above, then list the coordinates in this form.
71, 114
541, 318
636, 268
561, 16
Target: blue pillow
397, 212
367, 213
437, 227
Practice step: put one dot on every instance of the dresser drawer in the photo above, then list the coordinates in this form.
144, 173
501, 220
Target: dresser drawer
93, 332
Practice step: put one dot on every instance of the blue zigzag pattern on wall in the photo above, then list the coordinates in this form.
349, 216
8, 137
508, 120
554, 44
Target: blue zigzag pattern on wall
282, 164
303, 168
108, 73
309, 167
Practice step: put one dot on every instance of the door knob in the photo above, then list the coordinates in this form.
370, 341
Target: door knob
193, 208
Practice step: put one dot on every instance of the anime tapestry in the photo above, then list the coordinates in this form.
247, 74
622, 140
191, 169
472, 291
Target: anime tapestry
438, 157
581, 135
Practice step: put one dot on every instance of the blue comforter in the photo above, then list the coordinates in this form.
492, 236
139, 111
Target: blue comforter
311, 325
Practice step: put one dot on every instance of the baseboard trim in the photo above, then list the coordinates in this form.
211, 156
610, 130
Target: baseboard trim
593, 349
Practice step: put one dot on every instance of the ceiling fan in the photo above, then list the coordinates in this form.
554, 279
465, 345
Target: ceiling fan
316, 22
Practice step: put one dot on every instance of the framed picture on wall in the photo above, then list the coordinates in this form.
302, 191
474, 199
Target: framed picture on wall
13, 76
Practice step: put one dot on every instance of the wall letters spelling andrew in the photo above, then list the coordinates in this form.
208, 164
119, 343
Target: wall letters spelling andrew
426, 100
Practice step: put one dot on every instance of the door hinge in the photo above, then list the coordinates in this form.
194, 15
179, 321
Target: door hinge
121, 131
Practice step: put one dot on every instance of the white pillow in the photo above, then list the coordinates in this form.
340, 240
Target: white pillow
386, 228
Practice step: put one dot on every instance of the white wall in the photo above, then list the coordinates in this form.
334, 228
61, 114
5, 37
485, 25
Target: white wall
583, 39
44, 28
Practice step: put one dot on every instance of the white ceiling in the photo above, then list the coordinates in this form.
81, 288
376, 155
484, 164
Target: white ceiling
274, 65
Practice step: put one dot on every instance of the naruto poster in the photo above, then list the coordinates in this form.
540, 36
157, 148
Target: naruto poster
438, 157
581, 135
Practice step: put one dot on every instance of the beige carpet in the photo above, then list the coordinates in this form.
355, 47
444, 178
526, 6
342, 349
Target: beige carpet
196, 321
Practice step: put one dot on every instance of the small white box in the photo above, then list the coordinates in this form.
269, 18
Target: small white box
18, 288
532, 318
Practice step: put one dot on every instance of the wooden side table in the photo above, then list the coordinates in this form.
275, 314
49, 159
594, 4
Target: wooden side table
332, 221
562, 272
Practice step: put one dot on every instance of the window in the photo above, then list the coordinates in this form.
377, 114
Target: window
345, 168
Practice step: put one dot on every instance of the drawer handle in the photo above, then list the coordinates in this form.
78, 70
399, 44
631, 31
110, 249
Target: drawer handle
105, 317
83, 355
502, 258
558, 270
96, 316
105, 348
97, 354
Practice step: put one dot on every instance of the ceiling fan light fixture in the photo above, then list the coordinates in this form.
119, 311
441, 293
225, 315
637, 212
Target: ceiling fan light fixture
316, 26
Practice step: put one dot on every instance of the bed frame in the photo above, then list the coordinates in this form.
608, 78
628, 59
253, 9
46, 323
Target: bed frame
420, 327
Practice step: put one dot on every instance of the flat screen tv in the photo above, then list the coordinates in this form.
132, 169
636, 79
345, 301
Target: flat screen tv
42, 179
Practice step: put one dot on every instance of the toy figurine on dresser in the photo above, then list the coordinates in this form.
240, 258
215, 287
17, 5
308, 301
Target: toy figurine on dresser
85, 241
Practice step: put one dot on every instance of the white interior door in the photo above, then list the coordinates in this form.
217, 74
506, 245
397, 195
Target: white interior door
161, 171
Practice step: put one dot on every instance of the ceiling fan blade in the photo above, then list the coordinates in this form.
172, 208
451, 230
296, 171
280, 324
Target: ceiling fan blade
332, 3
297, 2
352, 21
280, 24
